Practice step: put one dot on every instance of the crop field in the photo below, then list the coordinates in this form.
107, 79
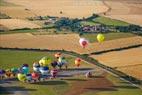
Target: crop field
27, 40
128, 61
125, 10
69, 8
17, 24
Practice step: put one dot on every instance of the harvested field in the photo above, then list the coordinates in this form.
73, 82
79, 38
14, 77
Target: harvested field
126, 10
128, 61
16, 12
134, 71
63, 41
17, 24
69, 8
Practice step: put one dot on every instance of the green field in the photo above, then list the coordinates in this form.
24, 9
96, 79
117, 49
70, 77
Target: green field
9, 59
108, 36
109, 21
4, 3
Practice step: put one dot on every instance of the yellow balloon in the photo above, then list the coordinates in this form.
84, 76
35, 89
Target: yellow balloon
45, 61
21, 77
100, 37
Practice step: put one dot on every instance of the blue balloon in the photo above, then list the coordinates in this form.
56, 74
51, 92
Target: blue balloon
2, 72
25, 70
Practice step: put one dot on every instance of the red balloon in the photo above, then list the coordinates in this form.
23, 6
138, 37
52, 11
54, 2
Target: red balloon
78, 59
35, 75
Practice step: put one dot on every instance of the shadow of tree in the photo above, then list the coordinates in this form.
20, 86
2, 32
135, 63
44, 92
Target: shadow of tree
125, 86
103, 89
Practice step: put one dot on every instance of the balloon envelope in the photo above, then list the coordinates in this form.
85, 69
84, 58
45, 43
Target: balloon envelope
100, 37
2, 72
57, 55
21, 77
83, 42
25, 70
14, 70
62, 60
35, 75
45, 61
77, 61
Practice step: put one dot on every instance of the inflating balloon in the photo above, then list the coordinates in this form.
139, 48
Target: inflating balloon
77, 62
35, 75
2, 72
57, 55
54, 64
25, 65
45, 61
44, 70
36, 67
100, 37
83, 42
25, 70
14, 70
29, 77
54, 72
21, 77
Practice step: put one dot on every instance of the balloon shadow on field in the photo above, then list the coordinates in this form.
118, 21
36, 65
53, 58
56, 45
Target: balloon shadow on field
13, 89
52, 82
126, 87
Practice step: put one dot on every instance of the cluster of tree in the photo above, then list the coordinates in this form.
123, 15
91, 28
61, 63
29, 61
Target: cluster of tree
130, 28
75, 25
69, 24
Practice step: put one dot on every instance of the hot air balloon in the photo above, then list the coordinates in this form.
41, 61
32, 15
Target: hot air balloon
8, 73
25, 65
36, 67
62, 61
54, 64
28, 77
100, 37
57, 55
83, 42
53, 73
77, 62
35, 76
2, 73
25, 70
45, 61
44, 70
14, 71
21, 77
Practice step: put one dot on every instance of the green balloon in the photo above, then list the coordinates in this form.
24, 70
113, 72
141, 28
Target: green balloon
14, 70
